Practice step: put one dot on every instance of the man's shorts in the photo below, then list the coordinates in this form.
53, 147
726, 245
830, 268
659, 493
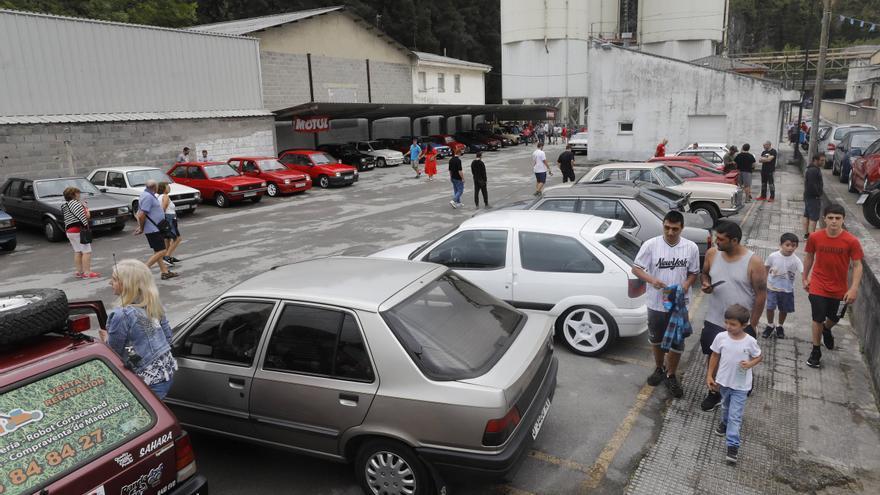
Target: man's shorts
657, 323
812, 207
824, 308
156, 241
711, 330
744, 178
541, 177
783, 301
78, 247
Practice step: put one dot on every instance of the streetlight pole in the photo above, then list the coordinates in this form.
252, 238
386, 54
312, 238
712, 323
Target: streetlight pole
820, 76
797, 146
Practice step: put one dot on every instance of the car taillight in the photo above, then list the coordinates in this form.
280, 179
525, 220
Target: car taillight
637, 287
498, 430
186, 457
80, 323
831, 146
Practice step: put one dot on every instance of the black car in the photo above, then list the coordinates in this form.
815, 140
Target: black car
472, 142
349, 155
37, 203
7, 232
468, 137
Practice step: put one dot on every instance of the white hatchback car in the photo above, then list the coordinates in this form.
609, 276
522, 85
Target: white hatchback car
579, 142
127, 184
576, 268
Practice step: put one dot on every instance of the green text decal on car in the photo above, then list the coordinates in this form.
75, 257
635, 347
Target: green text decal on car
52, 425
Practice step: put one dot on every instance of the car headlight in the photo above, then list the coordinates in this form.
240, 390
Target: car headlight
5, 224
198, 195
337, 174
287, 181
262, 184
123, 210
355, 172
363, 160
235, 188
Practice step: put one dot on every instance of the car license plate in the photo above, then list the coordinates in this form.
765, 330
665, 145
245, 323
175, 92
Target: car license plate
540, 421
300, 184
347, 177
183, 207
862, 199
249, 194
103, 221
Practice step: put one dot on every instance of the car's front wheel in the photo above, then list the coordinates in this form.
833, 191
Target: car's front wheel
850, 186
272, 190
706, 210
388, 467
835, 170
380, 162
871, 209
586, 330
51, 230
134, 208
324, 181
9, 246
221, 200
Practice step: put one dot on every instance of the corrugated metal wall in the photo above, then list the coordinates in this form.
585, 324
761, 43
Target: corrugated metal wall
52, 66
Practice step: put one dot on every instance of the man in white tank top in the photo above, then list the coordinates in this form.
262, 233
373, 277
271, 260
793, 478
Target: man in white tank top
732, 274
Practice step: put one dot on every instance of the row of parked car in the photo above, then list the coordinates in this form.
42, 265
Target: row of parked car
855, 159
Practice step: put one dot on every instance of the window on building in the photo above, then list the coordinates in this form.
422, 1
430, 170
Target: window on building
458, 83
423, 82
441, 83
625, 127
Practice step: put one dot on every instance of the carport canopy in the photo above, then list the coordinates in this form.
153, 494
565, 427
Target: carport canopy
376, 111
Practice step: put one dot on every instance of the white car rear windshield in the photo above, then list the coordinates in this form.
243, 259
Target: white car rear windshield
58, 423
454, 330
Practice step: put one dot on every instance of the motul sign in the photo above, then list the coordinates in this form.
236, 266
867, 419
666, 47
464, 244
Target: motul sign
311, 124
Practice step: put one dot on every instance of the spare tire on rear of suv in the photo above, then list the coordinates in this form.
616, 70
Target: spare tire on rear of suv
29, 313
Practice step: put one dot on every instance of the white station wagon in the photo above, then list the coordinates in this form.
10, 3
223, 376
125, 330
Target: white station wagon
576, 268
127, 184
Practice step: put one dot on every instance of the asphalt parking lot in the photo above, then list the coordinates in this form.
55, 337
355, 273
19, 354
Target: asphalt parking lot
603, 417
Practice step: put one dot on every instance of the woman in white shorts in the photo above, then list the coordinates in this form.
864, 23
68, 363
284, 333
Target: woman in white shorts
76, 219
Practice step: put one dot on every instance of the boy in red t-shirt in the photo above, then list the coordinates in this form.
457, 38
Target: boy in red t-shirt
829, 253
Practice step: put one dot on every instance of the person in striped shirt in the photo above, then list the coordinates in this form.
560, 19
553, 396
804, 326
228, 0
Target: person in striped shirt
76, 218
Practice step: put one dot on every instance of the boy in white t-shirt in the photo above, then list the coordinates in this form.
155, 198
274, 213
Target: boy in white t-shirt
734, 354
783, 267
541, 169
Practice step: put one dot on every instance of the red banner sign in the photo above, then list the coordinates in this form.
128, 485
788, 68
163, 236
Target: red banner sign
311, 124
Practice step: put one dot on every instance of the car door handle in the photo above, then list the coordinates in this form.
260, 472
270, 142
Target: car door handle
348, 400
236, 383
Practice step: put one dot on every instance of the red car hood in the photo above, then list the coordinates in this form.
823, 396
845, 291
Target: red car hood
338, 167
241, 181
285, 174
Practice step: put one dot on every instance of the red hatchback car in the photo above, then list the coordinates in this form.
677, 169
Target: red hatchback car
73, 419
218, 182
693, 172
324, 170
865, 169
448, 140
278, 178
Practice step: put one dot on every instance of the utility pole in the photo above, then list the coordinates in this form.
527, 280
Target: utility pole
797, 147
820, 76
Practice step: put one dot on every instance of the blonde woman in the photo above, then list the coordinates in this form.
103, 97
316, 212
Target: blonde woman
171, 216
76, 219
137, 329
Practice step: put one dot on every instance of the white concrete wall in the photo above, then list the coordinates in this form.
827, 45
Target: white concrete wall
473, 85
523, 20
856, 87
682, 50
532, 69
668, 20
664, 98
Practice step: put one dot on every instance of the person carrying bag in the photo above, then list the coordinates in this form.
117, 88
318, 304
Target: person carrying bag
76, 226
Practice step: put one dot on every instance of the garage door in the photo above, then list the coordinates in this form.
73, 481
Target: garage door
707, 128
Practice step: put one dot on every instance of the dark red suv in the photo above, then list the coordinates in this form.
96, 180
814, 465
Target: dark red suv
73, 420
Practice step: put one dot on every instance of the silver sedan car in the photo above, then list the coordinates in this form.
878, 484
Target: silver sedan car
403, 368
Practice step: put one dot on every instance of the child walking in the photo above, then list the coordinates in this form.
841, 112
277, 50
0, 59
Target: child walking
734, 354
782, 268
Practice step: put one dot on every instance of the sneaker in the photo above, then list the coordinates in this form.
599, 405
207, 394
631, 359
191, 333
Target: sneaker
78, 274
711, 402
168, 260
768, 332
454, 204
459, 205
91, 275
760, 198
828, 339
175, 259
815, 356
780, 332
674, 387
732, 454
721, 430
537, 193
656, 377
169, 274
771, 200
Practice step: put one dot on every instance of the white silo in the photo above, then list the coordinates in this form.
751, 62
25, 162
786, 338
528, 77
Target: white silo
682, 29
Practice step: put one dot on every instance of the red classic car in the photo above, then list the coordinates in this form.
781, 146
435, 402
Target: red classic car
696, 160
279, 179
448, 140
865, 169
693, 172
321, 167
218, 181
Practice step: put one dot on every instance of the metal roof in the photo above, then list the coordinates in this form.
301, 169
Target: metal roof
721, 62
130, 116
440, 59
250, 25
375, 111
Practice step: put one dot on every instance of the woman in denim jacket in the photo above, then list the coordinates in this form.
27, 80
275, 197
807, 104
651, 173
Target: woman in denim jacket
137, 330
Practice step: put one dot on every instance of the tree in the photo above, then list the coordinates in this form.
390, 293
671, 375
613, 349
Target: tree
166, 13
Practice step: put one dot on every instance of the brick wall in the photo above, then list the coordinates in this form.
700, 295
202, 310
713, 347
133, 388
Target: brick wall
391, 83
285, 79
339, 80
52, 150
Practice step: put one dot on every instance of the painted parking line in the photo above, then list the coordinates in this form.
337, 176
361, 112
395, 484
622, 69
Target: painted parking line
558, 461
628, 360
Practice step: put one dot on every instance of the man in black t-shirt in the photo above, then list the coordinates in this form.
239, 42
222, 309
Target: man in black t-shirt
745, 162
768, 166
457, 178
478, 169
566, 164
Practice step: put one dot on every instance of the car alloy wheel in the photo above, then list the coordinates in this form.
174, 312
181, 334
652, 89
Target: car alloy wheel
388, 473
134, 208
221, 201
587, 330
51, 231
380, 163
324, 182
272, 190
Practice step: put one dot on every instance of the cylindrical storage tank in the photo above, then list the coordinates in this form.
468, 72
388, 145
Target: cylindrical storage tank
682, 29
